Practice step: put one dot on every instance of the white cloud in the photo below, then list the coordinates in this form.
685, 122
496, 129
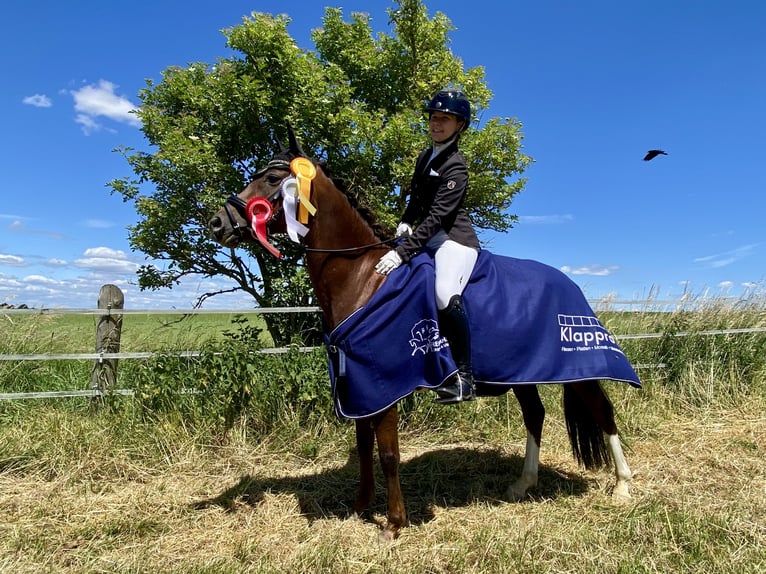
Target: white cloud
546, 219
105, 252
38, 290
9, 283
596, 270
725, 287
18, 226
40, 279
12, 260
38, 101
101, 264
56, 283
727, 257
96, 101
98, 224
89, 125
105, 259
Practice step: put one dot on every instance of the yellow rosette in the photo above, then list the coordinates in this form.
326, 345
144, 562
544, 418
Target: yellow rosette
304, 172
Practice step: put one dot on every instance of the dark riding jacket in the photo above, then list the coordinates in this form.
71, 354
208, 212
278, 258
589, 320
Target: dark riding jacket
437, 192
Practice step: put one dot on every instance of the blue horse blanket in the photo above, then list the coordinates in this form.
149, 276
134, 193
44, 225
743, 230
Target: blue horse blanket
530, 324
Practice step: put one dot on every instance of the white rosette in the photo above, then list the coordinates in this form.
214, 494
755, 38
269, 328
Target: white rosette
290, 199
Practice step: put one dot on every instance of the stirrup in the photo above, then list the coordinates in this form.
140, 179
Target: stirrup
456, 391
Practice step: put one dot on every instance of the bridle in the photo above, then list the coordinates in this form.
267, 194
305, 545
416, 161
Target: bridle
240, 205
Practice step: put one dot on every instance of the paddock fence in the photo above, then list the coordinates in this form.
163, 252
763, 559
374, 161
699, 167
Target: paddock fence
111, 310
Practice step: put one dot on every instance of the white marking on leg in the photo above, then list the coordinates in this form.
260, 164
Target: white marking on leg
528, 478
621, 469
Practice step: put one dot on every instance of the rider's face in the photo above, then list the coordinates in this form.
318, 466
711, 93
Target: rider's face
442, 127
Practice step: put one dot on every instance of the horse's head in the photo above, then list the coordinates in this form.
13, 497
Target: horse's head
244, 213
293, 195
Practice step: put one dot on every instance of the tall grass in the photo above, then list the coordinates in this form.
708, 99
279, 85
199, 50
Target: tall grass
694, 365
682, 366
234, 462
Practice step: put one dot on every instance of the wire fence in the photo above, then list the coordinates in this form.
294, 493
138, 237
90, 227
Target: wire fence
642, 304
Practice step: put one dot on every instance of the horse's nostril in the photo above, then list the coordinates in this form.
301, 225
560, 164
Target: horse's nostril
215, 225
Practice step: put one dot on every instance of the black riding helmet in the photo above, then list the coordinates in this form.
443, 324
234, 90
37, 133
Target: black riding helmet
451, 101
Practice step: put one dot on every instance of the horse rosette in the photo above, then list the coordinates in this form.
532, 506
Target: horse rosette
259, 212
304, 172
290, 195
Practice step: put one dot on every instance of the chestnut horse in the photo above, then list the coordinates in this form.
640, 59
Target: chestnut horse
342, 249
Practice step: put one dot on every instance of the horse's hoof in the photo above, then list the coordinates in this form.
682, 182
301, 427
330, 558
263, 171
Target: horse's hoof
517, 492
512, 495
621, 493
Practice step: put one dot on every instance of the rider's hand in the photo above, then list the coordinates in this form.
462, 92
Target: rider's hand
388, 263
402, 230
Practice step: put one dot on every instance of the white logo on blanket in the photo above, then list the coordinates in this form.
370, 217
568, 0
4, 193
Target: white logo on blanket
585, 333
426, 338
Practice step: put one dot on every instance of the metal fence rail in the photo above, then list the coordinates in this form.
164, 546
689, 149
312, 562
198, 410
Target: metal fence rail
134, 355
102, 356
282, 350
63, 311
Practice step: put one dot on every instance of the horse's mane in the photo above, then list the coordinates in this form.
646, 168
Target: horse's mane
367, 215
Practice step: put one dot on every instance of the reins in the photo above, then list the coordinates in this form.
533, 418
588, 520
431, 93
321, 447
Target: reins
349, 249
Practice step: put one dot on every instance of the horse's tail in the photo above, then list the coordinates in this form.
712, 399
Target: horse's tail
585, 435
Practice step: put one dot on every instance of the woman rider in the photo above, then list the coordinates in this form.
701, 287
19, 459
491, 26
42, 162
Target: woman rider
437, 192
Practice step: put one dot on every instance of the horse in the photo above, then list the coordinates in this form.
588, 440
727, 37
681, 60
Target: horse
341, 250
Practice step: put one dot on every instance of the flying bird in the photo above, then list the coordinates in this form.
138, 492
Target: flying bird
652, 153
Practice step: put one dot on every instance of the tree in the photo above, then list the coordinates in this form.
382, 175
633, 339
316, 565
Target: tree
355, 101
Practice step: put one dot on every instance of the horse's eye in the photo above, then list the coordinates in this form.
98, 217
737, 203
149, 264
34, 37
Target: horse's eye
273, 179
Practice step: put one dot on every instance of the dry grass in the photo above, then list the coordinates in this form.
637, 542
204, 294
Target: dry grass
699, 506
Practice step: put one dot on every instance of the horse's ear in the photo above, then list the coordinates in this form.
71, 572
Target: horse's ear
295, 147
282, 148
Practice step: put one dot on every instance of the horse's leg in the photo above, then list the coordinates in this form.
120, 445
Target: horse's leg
533, 411
387, 433
365, 443
595, 399
621, 469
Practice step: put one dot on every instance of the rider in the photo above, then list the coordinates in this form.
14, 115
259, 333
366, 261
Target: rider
437, 191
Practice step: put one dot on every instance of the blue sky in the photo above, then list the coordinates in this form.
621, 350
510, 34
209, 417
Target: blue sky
595, 84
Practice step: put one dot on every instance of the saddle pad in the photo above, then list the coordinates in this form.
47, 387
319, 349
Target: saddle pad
530, 324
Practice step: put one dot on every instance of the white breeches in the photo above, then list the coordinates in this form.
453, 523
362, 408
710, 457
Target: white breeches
454, 264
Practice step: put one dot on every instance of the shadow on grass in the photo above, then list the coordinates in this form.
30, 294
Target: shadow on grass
441, 478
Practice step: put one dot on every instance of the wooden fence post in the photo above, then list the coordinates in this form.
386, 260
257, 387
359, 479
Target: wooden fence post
104, 373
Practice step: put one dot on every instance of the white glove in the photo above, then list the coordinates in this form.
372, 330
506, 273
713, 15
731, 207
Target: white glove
388, 263
403, 229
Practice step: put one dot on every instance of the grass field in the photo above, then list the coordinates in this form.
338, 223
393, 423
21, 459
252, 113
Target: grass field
69, 333
130, 489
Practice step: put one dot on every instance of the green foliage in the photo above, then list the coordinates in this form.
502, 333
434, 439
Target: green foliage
355, 101
233, 379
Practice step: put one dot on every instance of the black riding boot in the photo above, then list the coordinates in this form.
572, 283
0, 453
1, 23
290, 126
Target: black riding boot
453, 324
